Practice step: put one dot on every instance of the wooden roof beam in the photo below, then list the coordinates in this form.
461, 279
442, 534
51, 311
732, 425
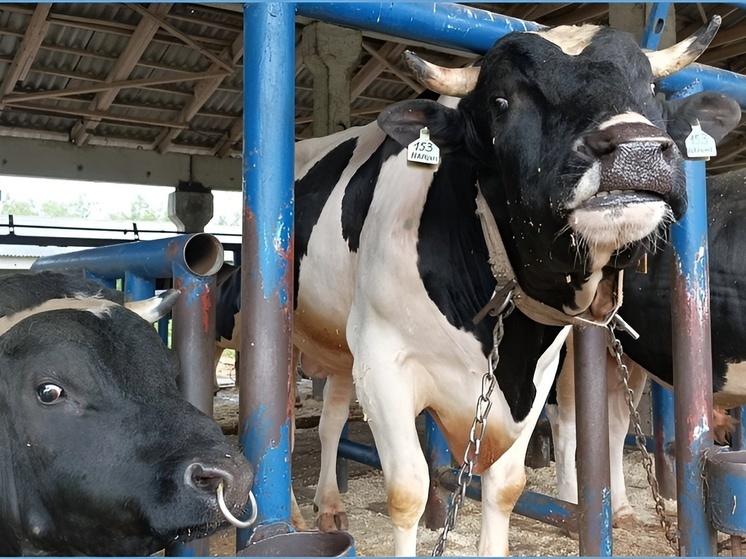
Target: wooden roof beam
393, 69
35, 32
202, 93
182, 36
95, 115
176, 77
126, 62
373, 68
224, 145
578, 15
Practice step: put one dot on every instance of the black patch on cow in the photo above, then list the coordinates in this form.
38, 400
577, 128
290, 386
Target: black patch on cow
311, 193
453, 262
522, 345
228, 303
24, 291
648, 297
359, 192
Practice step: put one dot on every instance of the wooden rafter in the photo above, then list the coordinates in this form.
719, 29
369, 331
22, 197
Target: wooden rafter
204, 90
223, 147
25, 54
181, 36
391, 68
178, 77
373, 68
126, 62
95, 115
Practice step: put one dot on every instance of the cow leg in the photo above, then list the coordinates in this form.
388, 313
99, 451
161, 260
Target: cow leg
503, 482
562, 421
619, 414
338, 392
387, 394
218, 354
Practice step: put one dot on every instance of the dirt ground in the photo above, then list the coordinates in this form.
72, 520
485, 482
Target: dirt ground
366, 500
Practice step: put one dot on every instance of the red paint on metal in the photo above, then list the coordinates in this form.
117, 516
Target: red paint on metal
206, 301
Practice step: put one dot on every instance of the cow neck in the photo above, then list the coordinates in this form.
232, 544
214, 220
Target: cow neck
504, 274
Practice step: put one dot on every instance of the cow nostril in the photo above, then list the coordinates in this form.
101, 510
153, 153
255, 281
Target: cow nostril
596, 145
204, 478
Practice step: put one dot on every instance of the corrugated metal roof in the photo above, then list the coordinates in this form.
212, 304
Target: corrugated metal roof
90, 57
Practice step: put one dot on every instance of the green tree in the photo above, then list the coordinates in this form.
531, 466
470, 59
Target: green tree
79, 208
140, 210
19, 207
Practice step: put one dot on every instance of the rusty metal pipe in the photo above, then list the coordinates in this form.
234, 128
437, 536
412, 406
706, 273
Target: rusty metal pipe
592, 412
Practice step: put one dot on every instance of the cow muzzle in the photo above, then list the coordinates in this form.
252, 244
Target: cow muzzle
230, 484
634, 162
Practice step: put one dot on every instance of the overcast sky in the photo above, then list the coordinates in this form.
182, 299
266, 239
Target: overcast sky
106, 198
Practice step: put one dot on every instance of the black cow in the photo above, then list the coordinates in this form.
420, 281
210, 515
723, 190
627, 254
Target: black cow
647, 308
558, 167
99, 454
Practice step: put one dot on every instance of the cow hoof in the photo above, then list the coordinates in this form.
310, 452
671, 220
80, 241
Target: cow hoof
329, 522
628, 522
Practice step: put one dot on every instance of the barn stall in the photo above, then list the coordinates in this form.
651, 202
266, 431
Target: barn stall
266, 147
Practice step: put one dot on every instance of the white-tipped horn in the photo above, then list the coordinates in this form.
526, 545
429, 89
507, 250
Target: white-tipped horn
667, 61
156, 307
457, 82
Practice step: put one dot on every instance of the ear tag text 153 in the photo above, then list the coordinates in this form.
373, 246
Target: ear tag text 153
699, 144
423, 150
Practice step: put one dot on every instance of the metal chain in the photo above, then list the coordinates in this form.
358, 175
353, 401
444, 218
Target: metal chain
615, 347
478, 429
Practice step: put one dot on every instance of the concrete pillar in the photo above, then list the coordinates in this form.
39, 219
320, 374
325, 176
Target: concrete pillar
190, 207
330, 53
633, 18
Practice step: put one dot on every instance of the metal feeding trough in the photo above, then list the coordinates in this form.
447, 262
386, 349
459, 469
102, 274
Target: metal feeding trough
302, 544
725, 479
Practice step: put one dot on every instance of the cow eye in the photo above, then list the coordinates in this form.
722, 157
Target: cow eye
500, 103
49, 393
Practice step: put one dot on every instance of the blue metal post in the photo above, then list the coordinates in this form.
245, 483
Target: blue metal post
592, 420
265, 406
664, 438
651, 35
343, 464
137, 288
438, 458
447, 25
470, 29
692, 362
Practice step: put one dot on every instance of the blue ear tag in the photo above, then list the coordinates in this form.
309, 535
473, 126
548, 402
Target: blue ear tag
699, 144
423, 150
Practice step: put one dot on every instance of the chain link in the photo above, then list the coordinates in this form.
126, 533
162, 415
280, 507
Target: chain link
615, 347
478, 429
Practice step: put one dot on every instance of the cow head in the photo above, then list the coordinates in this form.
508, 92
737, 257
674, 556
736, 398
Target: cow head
99, 453
576, 155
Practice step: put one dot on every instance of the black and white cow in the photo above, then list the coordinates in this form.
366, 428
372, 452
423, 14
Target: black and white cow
647, 307
561, 144
99, 454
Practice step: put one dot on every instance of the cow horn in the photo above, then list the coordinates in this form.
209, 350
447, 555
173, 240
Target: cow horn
457, 82
667, 61
156, 307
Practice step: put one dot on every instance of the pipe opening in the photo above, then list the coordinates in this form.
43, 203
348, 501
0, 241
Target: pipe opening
203, 254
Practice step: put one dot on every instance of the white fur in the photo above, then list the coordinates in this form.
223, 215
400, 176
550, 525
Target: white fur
94, 305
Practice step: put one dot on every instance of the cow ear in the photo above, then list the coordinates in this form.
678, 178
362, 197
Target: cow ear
404, 120
716, 113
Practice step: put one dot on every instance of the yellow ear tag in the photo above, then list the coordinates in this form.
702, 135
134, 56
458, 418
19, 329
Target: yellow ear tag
423, 150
